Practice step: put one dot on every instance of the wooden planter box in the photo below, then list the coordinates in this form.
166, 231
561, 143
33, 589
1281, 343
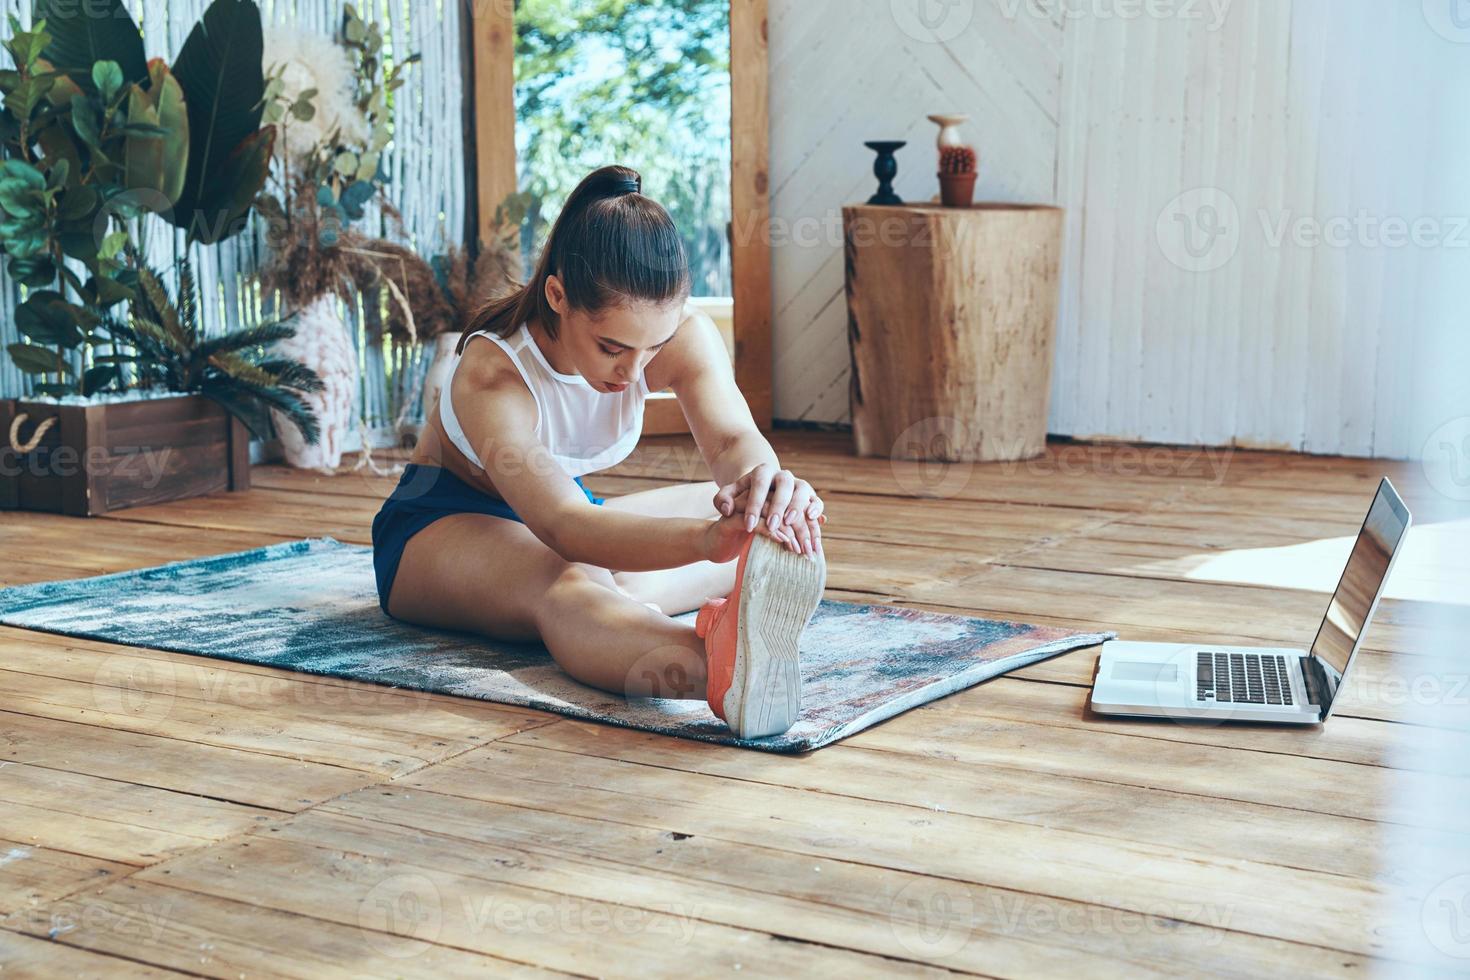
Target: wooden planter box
98, 458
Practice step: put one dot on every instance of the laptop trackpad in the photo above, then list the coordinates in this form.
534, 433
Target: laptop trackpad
1139, 670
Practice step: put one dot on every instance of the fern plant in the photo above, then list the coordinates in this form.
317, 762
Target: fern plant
234, 369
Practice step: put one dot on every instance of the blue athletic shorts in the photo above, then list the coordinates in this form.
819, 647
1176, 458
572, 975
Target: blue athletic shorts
423, 495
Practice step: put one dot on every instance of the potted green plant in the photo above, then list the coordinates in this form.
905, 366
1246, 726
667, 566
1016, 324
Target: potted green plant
95, 139
122, 452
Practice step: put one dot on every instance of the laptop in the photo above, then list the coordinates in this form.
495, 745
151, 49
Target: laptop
1230, 683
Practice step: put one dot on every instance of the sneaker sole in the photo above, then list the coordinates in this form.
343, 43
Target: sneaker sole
780, 592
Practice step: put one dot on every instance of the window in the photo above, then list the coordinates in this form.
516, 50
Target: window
646, 85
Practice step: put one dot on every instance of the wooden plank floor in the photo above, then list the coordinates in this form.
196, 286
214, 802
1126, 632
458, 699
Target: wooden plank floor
162, 813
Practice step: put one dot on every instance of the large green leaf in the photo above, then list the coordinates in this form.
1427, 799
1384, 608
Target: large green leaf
243, 406
37, 360
250, 402
232, 189
48, 319
78, 241
108, 78
108, 292
86, 122
34, 270
142, 156
83, 34
56, 145
99, 377
260, 335
23, 172
20, 201
219, 70
64, 88
167, 96
78, 204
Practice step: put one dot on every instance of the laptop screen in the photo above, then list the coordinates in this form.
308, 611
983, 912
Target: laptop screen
1362, 579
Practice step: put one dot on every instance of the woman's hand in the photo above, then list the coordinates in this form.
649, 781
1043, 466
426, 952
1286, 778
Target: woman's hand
777, 501
725, 536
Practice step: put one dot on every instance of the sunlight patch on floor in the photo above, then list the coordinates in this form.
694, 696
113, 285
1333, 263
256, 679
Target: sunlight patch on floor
1433, 567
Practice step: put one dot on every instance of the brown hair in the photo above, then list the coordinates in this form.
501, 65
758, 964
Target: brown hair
610, 244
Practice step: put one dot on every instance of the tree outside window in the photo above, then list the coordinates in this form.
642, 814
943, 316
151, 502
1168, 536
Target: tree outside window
643, 83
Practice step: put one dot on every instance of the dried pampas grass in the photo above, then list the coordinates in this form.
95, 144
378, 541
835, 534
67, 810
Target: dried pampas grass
496, 272
423, 300
418, 309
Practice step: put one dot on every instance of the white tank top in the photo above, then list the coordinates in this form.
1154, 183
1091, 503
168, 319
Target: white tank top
584, 429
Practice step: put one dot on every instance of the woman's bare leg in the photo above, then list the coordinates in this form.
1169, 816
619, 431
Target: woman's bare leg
493, 576
683, 589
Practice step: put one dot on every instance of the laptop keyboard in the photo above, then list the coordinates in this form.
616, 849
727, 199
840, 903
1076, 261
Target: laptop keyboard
1242, 678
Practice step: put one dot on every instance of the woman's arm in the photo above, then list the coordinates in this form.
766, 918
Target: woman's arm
697, 366
501, 428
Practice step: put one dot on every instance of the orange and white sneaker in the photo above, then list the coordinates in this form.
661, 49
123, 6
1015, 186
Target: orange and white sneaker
751, 637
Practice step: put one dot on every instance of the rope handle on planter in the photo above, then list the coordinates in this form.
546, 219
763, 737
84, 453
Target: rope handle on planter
36, 436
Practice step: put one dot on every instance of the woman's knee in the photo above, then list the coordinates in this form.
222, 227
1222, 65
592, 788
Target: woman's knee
571, 585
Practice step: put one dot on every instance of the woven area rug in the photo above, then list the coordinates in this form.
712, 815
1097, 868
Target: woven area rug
312, 605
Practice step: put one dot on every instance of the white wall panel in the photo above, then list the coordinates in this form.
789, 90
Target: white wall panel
1250, 125
843, 73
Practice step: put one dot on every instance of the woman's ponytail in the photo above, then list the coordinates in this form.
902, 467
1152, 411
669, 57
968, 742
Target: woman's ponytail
610, 244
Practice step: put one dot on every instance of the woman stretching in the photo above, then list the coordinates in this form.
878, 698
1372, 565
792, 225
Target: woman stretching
491, 529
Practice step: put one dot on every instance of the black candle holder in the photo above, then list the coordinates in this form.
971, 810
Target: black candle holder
885, 168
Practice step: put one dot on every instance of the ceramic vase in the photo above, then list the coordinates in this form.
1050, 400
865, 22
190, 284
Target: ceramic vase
323, 343
949, 129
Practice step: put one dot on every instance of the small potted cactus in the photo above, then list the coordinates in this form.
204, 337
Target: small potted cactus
957, 175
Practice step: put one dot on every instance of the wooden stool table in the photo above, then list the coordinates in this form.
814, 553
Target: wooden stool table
951, 319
